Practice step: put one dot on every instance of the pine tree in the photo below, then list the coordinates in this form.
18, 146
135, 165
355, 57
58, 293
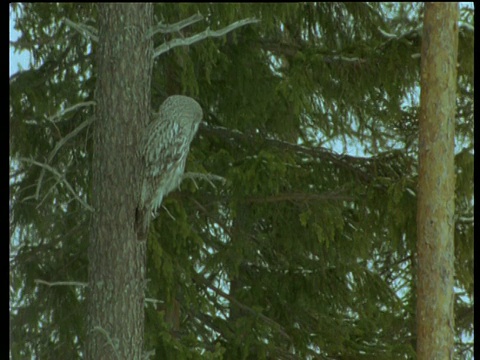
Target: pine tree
308, 248
436, 187
116, 257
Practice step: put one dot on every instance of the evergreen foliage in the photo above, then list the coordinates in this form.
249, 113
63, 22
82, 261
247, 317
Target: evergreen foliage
308, 249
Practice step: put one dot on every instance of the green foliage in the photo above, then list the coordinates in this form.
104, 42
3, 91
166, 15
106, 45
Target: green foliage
302, 253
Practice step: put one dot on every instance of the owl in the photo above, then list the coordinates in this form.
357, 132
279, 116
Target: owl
164, 148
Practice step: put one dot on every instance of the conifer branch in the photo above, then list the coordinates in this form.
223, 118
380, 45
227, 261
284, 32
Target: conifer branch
267, 320
166, 29
60, 177
236, 136
201, 36
96, 328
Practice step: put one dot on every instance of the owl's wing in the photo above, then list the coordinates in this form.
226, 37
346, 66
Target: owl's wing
165, 146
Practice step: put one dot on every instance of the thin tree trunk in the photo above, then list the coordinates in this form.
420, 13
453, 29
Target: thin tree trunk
116, 257
436, 189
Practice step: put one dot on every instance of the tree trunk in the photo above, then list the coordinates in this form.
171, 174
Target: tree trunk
116, 257
436, 206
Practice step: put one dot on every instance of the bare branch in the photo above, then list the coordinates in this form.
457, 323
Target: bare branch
68, 137
61, 283
109, 340
64, 140
84, 284
166, 29
336, 58
386, 34
71, 108
405, 37
207, 177
60, 177
466, 26
154, 301
46, 195
299, 197
85, 30
201, 36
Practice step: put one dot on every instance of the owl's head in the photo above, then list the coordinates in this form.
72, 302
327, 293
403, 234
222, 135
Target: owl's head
182, 109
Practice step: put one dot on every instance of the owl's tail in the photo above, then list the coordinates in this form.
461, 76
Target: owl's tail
142, 221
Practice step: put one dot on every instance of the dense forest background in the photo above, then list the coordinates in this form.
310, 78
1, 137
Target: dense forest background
308, 249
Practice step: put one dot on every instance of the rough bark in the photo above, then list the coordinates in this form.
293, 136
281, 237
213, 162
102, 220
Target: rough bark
116, 257
436, 207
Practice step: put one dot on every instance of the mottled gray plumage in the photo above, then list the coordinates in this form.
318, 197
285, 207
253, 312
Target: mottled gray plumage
164, 148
